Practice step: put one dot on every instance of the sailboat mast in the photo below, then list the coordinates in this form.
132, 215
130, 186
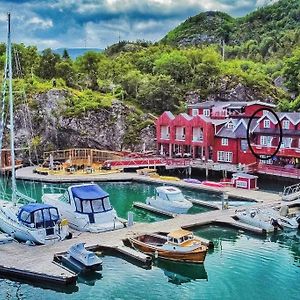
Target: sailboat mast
11, 115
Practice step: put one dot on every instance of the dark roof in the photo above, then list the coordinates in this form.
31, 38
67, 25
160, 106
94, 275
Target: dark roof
228, 104
239, 131
293, 116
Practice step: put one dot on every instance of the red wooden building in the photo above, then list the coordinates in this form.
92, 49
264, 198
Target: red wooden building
217, 131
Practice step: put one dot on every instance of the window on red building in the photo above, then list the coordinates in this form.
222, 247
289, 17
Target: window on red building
285, 124
206, 112
224, 142
267, 123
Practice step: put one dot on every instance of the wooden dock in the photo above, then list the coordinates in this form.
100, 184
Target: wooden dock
205, 203
155, 210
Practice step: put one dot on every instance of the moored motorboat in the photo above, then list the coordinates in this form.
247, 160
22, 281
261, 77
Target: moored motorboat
258, 218
83, 259
283, 218
87, 208
179, 245
170, 199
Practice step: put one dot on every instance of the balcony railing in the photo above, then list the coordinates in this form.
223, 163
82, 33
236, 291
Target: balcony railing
269, 150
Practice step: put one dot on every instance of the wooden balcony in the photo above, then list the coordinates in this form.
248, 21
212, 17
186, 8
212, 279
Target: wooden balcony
269, 150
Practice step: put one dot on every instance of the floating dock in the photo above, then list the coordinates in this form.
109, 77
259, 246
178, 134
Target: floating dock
205, 203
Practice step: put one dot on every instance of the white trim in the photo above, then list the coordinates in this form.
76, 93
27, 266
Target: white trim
224, 142
267, 123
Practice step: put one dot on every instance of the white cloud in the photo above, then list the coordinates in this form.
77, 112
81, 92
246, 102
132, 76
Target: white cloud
41, 23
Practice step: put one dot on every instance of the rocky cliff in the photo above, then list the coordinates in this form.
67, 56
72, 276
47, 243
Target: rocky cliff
44, 122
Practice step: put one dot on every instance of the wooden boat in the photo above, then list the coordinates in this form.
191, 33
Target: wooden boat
179, 245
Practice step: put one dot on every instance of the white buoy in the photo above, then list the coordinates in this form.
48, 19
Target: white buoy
129, 219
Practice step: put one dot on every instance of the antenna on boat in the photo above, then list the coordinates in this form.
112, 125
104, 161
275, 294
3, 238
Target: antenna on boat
11, 114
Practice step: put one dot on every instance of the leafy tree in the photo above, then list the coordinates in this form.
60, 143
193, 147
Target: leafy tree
291, 72
65, 70
65, 55
88, 65
174, 64
158, 93
46, 68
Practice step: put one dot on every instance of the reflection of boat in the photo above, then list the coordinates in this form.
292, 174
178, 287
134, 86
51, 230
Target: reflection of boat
170, 199
179, 245
87, 207
89, 278
85, 259
212, 183
35, 223
179, 272
258, 218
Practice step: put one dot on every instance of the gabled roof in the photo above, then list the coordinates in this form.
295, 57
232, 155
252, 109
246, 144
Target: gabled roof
230, 104
186, 116
169, 114
239, 131
294, 117
268, 115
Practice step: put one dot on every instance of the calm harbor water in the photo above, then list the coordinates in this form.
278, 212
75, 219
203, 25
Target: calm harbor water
240, 267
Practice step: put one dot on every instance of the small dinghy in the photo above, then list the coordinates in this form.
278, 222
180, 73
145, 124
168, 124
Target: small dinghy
192, 180
212, 183
83, 260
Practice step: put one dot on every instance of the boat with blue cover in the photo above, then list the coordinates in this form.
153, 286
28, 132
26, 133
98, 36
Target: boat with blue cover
86, 207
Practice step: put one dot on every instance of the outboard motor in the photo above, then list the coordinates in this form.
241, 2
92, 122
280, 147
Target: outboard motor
275, 224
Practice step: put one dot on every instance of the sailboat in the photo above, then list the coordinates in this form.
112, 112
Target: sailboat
35, 223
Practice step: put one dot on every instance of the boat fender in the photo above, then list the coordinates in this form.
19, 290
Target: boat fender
64, 222
156, 254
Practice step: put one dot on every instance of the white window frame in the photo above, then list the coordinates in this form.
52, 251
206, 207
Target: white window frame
285, 124
224, 142
195, 111
286, 142
265, 140
206, 112
230, 125
267, 121
224, 156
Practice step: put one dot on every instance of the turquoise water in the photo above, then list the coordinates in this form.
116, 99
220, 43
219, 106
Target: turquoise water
240, 267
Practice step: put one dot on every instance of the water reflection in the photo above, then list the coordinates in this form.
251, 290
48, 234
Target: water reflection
179, 273
89, 278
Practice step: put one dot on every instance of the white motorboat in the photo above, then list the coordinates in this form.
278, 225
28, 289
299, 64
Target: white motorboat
33, 223
258, 218
86, 207
170, 199
36, 223
82, 258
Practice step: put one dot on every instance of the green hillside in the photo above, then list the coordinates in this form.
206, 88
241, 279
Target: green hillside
270, 31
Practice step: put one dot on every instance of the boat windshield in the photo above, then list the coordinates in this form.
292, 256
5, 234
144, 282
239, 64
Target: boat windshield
176, 197
41, 218
92, 206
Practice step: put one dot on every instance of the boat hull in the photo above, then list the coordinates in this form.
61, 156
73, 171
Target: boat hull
195, 256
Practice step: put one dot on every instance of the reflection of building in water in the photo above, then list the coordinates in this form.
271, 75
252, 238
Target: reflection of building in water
217, 131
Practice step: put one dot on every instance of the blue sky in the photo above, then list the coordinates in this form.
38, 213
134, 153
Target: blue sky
99, 23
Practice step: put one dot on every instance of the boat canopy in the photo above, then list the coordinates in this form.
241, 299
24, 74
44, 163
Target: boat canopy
169, 193
40, 214
90, 199
88, 192
179, 233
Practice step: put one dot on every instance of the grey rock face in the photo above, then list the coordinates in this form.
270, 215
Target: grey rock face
102, 129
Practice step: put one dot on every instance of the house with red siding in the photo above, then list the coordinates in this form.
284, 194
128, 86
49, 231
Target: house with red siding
217, 131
